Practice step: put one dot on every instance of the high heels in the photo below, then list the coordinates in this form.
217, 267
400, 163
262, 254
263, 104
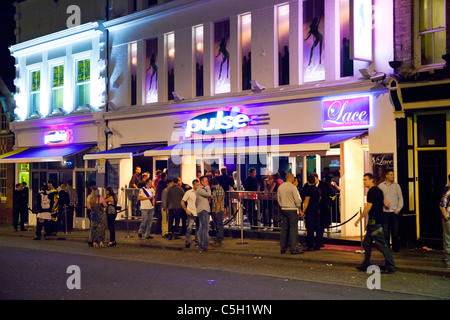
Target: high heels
112, 244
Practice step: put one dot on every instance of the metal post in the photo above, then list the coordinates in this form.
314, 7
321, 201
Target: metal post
240, 212
65, 218
360, 233
126, 214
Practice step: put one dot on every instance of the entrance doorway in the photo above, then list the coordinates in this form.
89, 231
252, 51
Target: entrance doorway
432, 167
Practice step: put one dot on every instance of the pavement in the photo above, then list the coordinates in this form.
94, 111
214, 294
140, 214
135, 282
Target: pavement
418, 260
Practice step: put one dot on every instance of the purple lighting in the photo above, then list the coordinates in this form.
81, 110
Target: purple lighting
346, 113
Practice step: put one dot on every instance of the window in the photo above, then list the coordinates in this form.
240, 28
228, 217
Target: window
432, 31
170, 65
221, 56
57, 87
133, 60
151, 75
283, 44
313, 40
246, 48
83, 82
198, 34
35, 91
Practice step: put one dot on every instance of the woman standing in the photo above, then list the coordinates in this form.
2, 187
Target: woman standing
96, 204
111, 214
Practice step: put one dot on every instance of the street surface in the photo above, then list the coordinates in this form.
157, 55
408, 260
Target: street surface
39, 270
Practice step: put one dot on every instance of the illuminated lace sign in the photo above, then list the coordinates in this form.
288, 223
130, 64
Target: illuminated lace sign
218, 122
58, 137
348, 113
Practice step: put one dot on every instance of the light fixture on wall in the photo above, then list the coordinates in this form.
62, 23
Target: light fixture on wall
256, 87
112, 106
177, 97
62, 110
38, 113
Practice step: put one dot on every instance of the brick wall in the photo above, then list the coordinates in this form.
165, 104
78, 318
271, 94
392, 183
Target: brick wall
403, 30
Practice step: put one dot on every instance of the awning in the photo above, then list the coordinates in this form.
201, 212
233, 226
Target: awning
313, 143
43, 154
123, 152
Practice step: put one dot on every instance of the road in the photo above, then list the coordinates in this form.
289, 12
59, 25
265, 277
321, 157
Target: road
39, 270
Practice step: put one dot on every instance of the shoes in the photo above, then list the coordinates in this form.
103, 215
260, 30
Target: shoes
389, 271
149, 237
112, 244
140, 235
297, 252
283, 251
187, 245
37, 238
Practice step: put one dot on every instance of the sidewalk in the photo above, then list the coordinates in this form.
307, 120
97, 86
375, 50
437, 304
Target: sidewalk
407, 260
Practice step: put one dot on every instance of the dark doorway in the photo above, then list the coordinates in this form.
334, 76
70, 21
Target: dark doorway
432, 179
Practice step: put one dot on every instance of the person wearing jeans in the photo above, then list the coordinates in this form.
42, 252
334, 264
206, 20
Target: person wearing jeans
191, 211
146, 195
203, 194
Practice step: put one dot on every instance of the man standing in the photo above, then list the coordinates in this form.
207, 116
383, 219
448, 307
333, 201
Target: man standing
174, 196
203, 194
374, 231
393, 203
73, 203
19, 207
327, 195
54, 199
226, 182
191, 211
311, 208
164, 207
445, 210
134, 183
63, 207
145, 196
250, 184
217, 208
160, 186
289, 201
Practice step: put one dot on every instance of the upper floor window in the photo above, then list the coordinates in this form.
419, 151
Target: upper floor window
432, 31
35, 91
83, 82
58, 87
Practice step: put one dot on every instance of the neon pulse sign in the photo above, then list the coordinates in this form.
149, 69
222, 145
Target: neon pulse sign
347, 113
217, 122
58, 137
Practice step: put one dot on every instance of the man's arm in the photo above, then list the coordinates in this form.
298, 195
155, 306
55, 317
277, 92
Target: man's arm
204, 192
306, 203
366, 210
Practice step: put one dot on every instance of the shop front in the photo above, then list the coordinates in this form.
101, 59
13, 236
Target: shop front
333, 136
55, 154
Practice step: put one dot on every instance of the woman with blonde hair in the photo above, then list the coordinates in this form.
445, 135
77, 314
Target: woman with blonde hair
96, 204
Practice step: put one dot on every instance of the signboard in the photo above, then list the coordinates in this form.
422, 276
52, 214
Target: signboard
346, 113
381, 163
57, 137
217, 122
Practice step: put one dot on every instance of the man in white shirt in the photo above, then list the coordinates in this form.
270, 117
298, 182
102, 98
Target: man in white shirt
289, 201
393, 203
146, 194
191, 210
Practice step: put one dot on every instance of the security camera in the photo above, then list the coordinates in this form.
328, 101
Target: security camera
177, 97
379, 76
256, 87
108, 131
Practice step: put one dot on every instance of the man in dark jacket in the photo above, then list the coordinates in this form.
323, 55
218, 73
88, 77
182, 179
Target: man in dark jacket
327, 196
174, 196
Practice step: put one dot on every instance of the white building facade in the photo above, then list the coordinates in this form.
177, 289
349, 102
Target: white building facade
279, 82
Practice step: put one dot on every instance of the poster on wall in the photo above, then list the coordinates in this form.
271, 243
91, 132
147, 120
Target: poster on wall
313, 44
221, 56
151, 76
381, 163
361, 30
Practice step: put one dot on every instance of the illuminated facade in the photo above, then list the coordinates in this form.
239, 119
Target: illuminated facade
139, 86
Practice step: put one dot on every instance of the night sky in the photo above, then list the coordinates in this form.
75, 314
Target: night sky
7, 38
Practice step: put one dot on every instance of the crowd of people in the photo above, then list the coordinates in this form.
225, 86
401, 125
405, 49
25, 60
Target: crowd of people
54, 209
179, 207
